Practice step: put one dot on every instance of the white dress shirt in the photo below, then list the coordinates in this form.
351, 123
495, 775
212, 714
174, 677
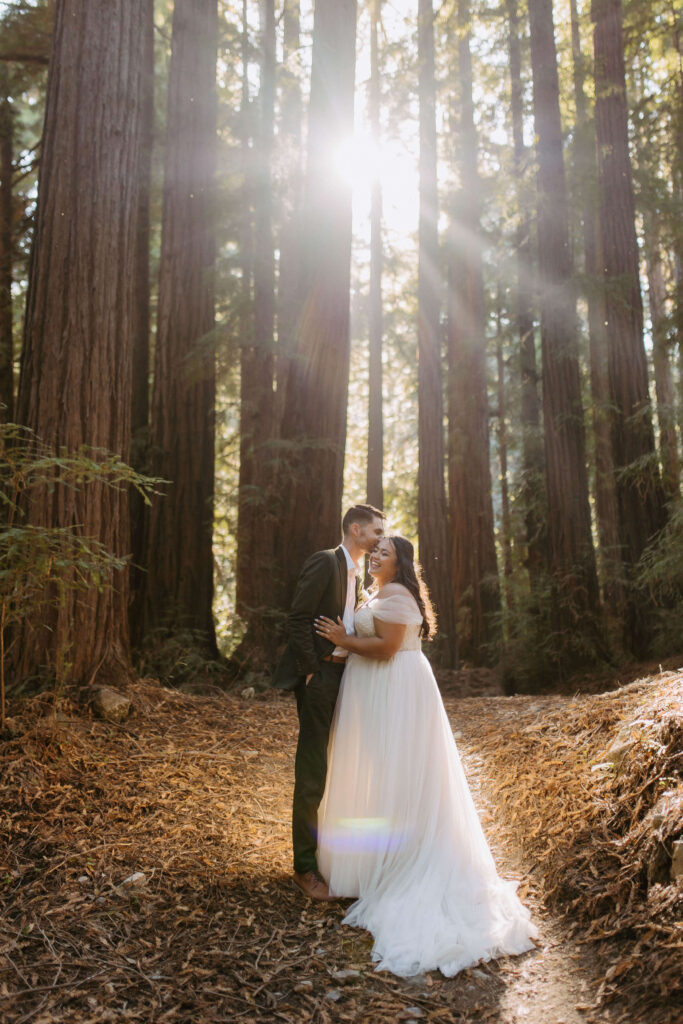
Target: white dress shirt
353, 571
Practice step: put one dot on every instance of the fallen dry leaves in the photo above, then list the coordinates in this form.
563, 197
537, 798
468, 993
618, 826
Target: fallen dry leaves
144, 868
586, 824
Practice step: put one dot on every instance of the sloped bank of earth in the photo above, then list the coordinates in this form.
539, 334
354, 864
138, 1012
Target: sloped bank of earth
145, 866
589, 790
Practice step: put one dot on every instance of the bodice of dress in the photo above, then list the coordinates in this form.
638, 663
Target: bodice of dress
365, 626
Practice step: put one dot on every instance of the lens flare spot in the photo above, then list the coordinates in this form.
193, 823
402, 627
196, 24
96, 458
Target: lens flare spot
356, 835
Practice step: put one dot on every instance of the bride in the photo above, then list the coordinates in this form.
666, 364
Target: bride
397, 828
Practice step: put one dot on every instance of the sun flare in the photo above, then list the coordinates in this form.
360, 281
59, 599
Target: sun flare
360, 163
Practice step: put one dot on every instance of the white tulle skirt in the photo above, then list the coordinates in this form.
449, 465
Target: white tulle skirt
399, 831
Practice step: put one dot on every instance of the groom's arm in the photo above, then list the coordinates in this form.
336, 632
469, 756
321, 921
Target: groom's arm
310, 587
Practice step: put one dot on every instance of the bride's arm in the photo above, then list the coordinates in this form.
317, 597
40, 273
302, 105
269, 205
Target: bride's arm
381, 647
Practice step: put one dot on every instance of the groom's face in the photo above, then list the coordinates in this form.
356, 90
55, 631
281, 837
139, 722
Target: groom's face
369, 534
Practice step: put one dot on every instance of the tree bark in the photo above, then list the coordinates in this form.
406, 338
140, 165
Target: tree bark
246, 256
506, 515
664, 329
664, 386
375, 491
314, 422
571, 555
141, 337
475, 572
255, 524
677, 183
180, 582
432, 510
533, 470
290, 156
639, 491
81, 315
6, 251
605, 487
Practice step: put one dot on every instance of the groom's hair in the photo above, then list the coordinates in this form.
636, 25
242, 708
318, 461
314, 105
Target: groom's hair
361, 514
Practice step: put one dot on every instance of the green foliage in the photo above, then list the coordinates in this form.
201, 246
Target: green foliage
182, 658
660, 572
40, 565
33, 557
536, 653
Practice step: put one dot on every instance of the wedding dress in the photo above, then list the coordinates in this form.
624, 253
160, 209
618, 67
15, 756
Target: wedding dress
397, 826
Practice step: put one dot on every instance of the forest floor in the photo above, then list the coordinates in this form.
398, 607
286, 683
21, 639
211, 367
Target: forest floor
145, 868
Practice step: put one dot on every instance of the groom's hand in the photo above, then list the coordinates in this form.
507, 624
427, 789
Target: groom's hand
308, 678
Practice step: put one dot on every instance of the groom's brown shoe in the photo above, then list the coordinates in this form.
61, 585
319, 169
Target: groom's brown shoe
311, 885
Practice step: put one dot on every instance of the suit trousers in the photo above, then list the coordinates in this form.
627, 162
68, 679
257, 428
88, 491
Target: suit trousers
315, 705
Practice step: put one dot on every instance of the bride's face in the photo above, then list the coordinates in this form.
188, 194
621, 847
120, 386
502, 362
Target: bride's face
383, 562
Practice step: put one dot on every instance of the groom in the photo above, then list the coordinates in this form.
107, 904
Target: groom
330, 583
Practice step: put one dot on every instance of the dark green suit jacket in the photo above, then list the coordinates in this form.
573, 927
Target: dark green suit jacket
320, 590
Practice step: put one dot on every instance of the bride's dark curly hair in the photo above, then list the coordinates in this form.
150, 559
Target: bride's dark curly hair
409, 574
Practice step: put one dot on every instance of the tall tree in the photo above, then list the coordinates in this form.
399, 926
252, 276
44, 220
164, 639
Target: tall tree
375, 492
179, 560
502, 432
660, 232
533, 488
290, 156
605, 487
81, 313
639, 492
6, 249
676, 25
432, 510
141, 338
571, 555
255, 525
475, 571
664, 385
314, 421
246, 222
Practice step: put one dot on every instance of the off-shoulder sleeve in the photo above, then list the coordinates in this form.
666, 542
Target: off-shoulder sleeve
399, 608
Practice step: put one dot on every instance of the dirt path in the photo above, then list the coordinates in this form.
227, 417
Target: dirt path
554, 985
193, 794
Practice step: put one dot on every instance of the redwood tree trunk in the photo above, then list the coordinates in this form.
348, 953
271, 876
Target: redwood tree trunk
6, 251
375, 492
290, 156
505, 511
140, 395
314, 422
571, 555
246, 222
180, 582
664, 386
663, 330
605, 486
533, 475
255, 524
639, 491
432, 511
677, 183
475, 572
81, 316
